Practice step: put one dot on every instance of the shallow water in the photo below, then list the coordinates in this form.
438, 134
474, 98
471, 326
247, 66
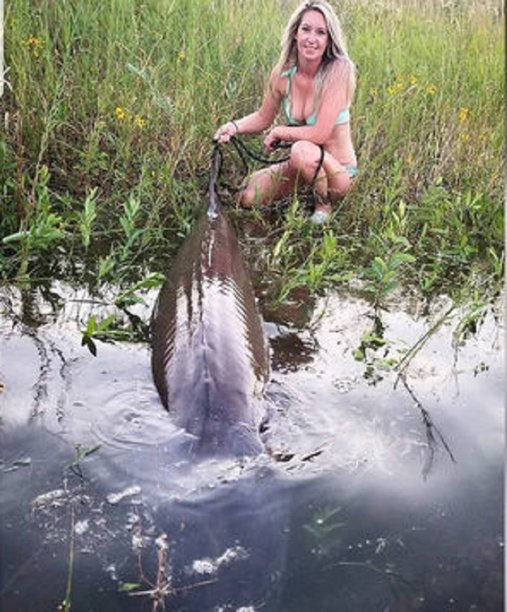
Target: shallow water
389, 495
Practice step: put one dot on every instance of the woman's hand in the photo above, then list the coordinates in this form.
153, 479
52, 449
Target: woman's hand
224, 133
272, 140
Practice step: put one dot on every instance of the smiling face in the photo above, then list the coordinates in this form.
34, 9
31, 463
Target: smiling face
312, 36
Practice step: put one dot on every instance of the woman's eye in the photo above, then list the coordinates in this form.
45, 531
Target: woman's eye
306, 29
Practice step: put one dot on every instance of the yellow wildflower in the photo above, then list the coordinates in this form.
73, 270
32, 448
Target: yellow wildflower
34, 44
396, 86
139, 122
431, 90
120, 113
464, 137
413, 79
181, 55
463, 114
373, 91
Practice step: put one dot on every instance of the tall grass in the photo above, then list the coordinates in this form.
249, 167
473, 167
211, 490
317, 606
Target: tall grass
120, 98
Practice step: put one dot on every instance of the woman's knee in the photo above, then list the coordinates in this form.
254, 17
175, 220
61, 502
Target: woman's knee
304, 157
265, 185
255, 189
247, 197
340, 186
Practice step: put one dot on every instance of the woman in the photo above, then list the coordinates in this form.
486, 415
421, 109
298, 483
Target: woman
314, 82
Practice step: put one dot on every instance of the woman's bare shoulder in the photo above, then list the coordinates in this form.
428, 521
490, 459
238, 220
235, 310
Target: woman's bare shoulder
277, 81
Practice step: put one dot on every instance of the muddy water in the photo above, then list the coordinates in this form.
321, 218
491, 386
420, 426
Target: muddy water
389, 495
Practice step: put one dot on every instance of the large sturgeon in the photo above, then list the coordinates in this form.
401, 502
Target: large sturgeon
210, 359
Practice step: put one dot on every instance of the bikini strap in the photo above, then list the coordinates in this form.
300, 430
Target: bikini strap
290, 72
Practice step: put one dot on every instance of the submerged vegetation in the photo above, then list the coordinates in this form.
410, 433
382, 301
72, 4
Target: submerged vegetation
109, 109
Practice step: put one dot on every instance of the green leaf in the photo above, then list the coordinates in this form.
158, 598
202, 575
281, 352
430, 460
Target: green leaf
90, 328
86, 340
400, 258
127, 587
103, 325
106, 264
390, 287
16, 237
359, 354
379, 268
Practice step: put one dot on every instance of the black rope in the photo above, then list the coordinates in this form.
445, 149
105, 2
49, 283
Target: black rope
319, 165
241, 147
243, 150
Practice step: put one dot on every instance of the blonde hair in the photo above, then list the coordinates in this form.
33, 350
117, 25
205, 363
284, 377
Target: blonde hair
336, 48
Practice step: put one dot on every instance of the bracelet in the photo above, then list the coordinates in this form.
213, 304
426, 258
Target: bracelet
235, 125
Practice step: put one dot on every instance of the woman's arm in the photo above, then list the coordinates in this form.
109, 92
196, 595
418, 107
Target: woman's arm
259, 120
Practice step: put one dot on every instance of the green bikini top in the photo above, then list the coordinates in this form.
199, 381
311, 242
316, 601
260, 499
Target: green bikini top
343, 117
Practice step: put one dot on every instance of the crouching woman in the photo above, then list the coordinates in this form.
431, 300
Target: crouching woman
314, 84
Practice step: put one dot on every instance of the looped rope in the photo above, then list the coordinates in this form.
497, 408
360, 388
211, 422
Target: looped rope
242, 150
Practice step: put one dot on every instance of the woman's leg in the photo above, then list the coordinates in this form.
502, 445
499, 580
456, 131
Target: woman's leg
338, 178
305, 158
331, 183
269, 184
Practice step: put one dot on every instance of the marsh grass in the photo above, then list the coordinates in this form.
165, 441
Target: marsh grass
110, 107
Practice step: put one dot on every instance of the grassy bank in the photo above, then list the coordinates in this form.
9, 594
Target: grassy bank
110, 108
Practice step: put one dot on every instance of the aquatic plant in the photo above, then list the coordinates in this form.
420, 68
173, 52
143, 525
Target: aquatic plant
162, 588
102, 330
66, 603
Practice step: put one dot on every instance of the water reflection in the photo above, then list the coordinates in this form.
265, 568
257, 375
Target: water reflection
389, 498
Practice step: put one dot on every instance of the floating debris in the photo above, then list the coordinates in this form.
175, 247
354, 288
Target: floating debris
54, 498
19, 463
115, 498
211, 566
345, 384
81, 527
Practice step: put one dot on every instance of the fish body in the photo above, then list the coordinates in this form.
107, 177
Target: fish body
209, 352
